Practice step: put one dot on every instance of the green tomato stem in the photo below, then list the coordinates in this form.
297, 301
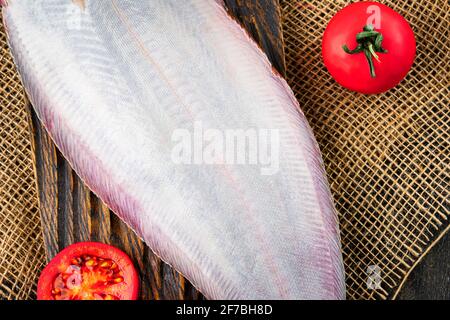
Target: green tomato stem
369, 41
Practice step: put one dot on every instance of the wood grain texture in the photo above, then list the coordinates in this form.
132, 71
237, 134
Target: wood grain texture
430, 280
71, 213
262, 19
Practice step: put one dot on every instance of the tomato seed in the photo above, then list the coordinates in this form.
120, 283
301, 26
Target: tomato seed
105, 264
91, 263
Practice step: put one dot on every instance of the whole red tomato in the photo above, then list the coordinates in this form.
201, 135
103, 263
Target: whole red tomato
368, 47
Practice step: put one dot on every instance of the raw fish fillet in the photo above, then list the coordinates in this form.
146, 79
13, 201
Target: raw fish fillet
113, 81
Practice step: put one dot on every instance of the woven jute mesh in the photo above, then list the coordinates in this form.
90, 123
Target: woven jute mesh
387, 156
21, 246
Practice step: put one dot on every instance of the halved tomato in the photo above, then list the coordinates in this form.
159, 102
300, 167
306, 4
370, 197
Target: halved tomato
89, 271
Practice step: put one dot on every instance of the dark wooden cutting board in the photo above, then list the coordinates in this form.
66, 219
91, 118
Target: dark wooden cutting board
71, 213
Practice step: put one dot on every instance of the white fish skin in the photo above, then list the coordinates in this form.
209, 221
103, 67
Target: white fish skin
112, 80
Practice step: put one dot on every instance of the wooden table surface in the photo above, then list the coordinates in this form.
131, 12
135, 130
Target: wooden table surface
430, 280
71, 213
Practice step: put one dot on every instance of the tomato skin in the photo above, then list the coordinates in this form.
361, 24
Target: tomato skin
129, 290
352, 70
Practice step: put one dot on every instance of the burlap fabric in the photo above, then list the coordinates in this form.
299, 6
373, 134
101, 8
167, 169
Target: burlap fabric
387, 156
21, 246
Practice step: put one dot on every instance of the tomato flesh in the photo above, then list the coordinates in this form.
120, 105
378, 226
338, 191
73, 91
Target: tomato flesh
87, 278
89, 271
